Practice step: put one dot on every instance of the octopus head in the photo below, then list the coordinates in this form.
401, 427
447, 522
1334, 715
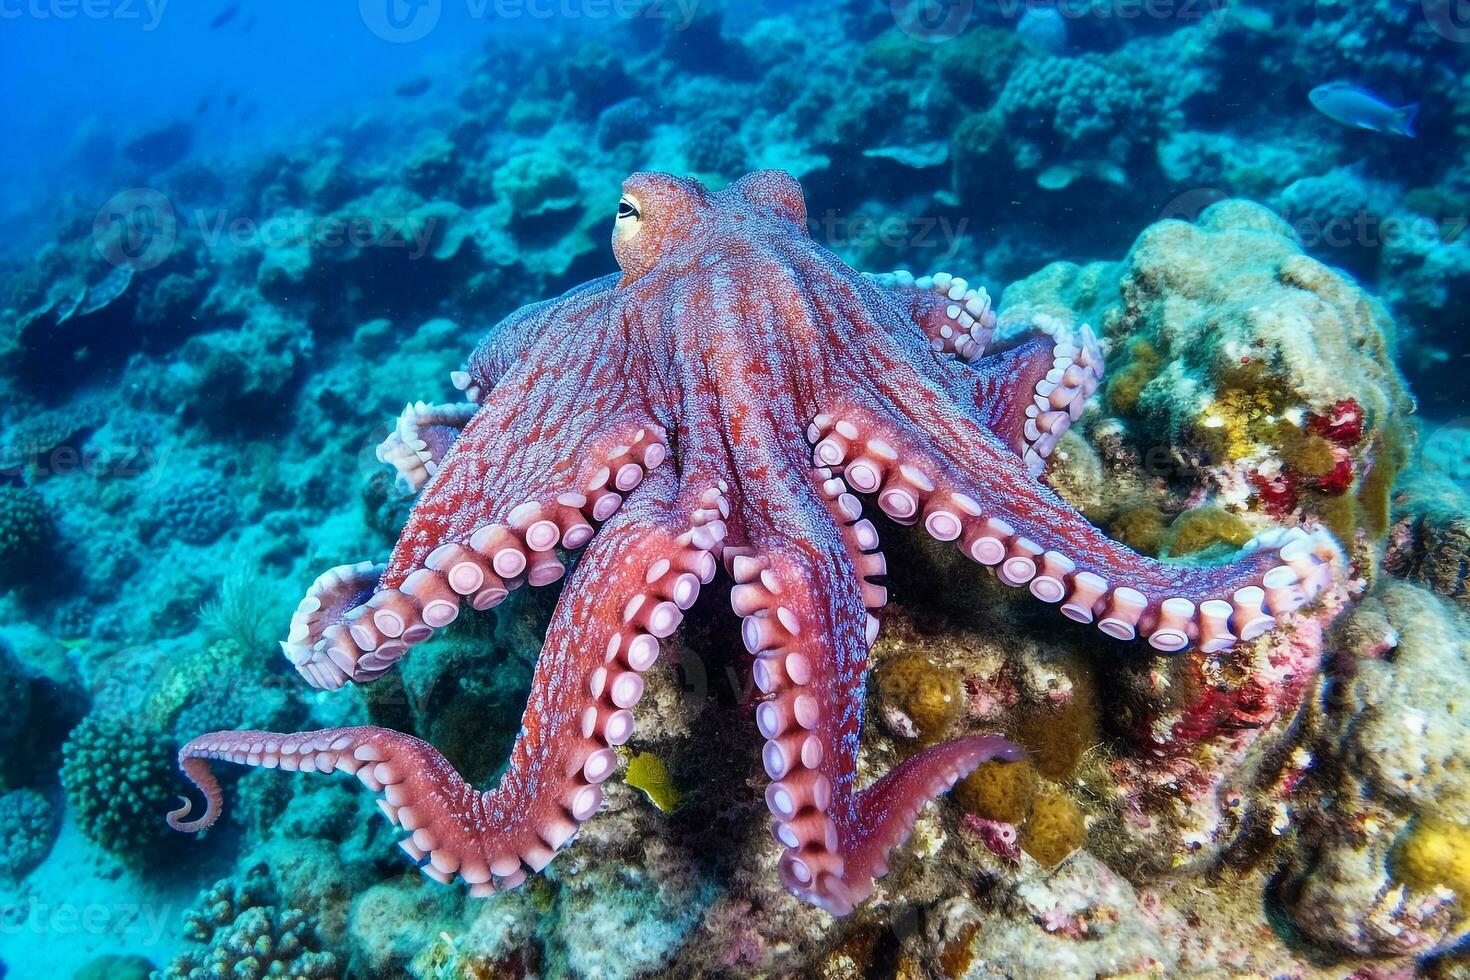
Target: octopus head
666, 219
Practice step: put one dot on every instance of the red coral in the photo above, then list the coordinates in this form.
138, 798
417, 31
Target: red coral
1342, 425
1278, 493
1341, 478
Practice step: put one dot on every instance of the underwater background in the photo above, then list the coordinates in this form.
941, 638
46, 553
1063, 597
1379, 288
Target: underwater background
237, 237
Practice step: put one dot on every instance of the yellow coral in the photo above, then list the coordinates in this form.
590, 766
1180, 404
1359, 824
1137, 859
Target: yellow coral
1054, 831
1236, 423
930, 696
1339, 513
1436, 853
186, 677
1125, 385
647, 772
1001, 791
1142, 529
1204, 527
1056, 734
1311, 455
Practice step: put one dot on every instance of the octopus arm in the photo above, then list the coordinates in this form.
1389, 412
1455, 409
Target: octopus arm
1030, 395
803, 620
926, 459
955, 317
563, 438
519, 333
627, 593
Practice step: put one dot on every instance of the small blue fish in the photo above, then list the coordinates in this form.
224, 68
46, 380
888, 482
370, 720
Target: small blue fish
1355, 106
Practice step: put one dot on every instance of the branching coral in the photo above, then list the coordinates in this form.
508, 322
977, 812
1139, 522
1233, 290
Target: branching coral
242, 933
26, 533
27, 830
118, 780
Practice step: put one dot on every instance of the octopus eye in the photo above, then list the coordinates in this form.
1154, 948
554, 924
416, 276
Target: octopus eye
629, 217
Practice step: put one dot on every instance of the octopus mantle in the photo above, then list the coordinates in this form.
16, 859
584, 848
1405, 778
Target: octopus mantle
726, 402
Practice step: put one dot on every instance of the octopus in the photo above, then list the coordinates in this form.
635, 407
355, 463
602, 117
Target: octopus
727, 402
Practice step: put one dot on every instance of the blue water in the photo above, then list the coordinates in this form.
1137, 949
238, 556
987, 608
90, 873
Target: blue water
235, 237
78, 84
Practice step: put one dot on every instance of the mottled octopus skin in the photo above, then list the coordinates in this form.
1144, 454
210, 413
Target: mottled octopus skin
724, 399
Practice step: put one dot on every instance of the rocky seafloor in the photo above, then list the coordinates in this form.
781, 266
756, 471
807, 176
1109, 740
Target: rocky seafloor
189, 434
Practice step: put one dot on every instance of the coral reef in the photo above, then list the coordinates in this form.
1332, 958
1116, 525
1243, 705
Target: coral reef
1054, 829
27, 831
920, 700
184, 432
196, 509
1430, 540
1271, 384
26, 534
116, 967
241, 932
1378, 873
117, 779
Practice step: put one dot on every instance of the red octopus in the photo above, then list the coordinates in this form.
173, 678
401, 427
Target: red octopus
726, 400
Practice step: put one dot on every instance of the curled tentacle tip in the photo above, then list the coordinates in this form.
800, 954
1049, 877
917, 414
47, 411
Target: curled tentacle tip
176, 818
